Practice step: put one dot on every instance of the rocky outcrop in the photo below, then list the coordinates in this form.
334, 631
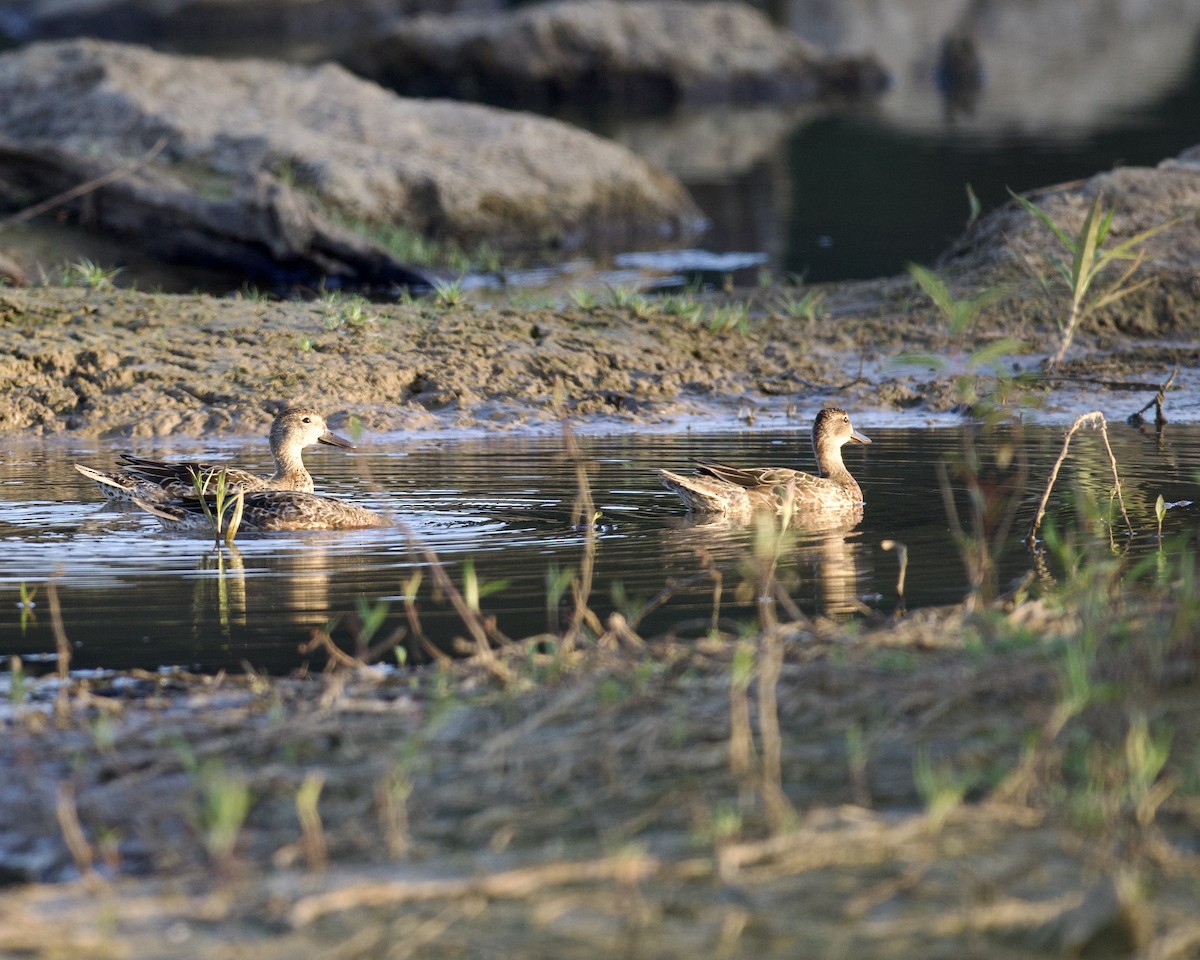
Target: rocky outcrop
1141, 198
644, 55
286, 29
302, 172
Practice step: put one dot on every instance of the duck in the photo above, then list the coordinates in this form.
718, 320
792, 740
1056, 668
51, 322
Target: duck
266, 511
293, 429
742, 491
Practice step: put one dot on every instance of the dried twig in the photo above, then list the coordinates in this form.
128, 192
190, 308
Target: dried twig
509, 884
585, 515
37, 209
1157, 403
1093, 419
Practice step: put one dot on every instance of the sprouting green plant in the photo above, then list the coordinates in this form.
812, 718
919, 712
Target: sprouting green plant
680, 305
16, 682
391, 798
305, 343
960, 314
734, 317
26, 604
474, 590
808, 306
765, 279
449, 293
1160, 511
346, 310
724, 824
355, 313
251, 293
308, 797
974, 207
583, 298
224, 514
1145, 757
371, 616
104, 733
87, 273
1088, 258
224, 805
557, 582
941, 789
627, 298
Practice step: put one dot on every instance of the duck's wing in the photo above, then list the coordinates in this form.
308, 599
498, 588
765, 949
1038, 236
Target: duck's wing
752, 477
180, 476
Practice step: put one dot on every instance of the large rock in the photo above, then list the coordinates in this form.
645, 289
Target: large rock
308, 170
282, 29
644, 55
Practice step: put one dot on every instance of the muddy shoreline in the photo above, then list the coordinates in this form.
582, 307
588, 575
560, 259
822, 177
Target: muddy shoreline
129, 364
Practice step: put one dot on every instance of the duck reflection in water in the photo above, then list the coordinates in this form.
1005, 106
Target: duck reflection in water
825, 570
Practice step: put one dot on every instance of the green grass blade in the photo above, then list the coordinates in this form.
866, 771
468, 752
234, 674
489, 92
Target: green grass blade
1044, 217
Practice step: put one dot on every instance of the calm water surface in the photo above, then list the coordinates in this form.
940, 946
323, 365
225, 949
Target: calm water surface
133, 595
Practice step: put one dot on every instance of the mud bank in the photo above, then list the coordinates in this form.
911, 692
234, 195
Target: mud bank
136, 364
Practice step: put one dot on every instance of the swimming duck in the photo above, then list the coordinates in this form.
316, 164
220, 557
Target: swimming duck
293, 430
740, 491
267, 510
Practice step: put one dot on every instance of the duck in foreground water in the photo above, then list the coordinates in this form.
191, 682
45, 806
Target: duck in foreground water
153, 480
265, 511
741, 491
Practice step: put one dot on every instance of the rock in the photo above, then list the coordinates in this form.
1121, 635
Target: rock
298, 173
286, 29
10, 271
646, 55
1141, 197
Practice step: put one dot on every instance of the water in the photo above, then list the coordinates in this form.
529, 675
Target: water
133, 595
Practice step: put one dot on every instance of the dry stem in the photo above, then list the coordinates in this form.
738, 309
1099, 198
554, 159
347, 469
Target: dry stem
1093, 419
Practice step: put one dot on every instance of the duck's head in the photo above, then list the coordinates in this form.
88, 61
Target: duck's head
302, 427
832, 429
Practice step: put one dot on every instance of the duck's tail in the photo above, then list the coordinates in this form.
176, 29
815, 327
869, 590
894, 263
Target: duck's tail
706, 494
112, 485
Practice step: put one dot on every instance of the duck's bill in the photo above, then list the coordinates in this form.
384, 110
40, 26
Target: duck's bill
859, 438
335, 441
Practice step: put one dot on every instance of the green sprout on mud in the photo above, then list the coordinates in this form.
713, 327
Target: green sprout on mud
627, 298
941, 789
225, 803
224, 514
87, 273
808, 306
252, 294
960, 314
312, 831
680, 305
732, 318
16, 682
584, 299
1087, 259
449, 293
351, 311
1145, 757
